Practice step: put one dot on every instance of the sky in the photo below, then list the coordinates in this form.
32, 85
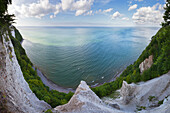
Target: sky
87, 12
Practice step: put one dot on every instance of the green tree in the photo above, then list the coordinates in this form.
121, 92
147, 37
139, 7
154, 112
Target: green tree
167, 14
5, 19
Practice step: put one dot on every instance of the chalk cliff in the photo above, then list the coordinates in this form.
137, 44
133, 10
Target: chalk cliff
15, 90
85, 101
144, 96
146, 64
132, 97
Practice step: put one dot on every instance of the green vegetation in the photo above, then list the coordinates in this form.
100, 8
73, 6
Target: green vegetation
151, 98
139, 108
53, 97
49, 111
159, 48
166, 14
5, 19
18, 35
160, 102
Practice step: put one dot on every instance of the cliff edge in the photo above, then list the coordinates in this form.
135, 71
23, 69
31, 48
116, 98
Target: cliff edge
143, 97
14, 90
85, 101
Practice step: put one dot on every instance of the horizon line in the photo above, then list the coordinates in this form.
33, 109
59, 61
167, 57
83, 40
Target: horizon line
80, 26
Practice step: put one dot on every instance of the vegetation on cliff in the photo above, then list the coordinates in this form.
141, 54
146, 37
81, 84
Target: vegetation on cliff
53, 97
5, 19
5, 22
158, 47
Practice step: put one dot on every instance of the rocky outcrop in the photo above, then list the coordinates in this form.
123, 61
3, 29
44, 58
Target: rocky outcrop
132, 97
146, 64
127, 92
164, 108
85, 101
19, 97
145, 95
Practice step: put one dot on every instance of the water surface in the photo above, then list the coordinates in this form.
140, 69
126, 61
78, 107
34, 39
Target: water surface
67, 55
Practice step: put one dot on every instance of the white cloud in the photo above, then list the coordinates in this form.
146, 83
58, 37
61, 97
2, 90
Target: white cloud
151, 15
82, 6
66, 4
133, 7
116, 15
51, 16
89, 12
98, 11
44, 7
80, 12
125, 18
107, 10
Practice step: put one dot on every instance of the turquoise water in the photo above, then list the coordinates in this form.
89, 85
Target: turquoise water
67, 55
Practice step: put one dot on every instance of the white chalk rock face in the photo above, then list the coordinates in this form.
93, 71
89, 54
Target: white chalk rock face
85, 101
20, 98
146, 64
127, 92
164, 108
140, 95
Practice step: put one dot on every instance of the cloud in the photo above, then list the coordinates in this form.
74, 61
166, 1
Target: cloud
133, 7
82, 6
152, 15
51, 16
66, 4
125, 18
116, 15
89, 12
107, 10
44, 7
98, 11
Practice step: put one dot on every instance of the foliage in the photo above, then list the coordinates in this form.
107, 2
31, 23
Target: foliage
18, 35
160, 102
53, 97
167, 14
5, 19
151, 98
159, 48
139, 108
49, 111
4, 5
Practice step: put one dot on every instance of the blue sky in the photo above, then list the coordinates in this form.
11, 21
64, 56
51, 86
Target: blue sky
88, 12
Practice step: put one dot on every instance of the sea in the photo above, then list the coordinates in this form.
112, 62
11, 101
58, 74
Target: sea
67, 55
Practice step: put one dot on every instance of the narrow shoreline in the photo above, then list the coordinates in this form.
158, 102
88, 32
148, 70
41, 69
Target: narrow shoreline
53, 86
113, 79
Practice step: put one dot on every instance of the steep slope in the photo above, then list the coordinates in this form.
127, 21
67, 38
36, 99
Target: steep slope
52, 97
16, 93
144, 95
85, 101
159, 50
133, 98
